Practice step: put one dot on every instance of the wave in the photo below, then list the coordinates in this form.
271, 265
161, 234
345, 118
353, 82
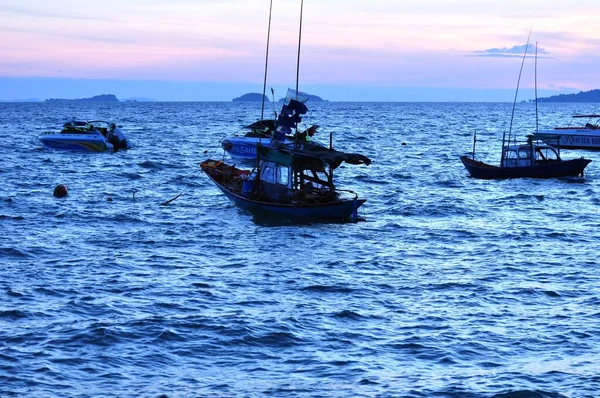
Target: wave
327, 289
12, 252
347, 314
273, 339
14, 314
529, 394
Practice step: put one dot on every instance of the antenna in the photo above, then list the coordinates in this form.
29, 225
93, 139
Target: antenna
537, 124
262, 109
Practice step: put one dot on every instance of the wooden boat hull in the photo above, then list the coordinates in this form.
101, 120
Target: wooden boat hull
564, 168
338, 210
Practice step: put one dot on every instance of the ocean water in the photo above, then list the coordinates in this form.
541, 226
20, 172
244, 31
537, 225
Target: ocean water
450, 287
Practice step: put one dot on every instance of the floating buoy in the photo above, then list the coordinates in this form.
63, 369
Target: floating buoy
404, 143
60, 191
109, 199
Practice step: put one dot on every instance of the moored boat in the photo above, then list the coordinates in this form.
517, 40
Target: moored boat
530, 159
291, 182
293, 175
243, 147
91, 136
527, 160
576, 135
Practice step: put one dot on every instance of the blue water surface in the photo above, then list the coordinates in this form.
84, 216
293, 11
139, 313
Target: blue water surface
451, 287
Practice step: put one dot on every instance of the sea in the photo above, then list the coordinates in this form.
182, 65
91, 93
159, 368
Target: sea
447, 286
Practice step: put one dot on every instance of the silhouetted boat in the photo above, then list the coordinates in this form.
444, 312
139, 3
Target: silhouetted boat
243, 146
528, 159
531, 159
292, 182
575, 136
293, 175
94, 136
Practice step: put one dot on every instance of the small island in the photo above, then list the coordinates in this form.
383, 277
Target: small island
582, 96
257, 97
251, 97
311, 98
96, 98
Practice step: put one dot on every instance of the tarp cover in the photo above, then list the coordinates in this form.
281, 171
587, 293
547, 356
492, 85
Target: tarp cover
330, 156
266, 124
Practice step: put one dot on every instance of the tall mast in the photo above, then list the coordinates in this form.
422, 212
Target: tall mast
517, 91
537, 124
262, 109
298, 65
299, 43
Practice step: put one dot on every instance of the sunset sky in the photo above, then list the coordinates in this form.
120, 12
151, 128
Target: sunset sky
380, 49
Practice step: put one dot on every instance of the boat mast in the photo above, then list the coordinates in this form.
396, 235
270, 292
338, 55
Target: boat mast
299, 43
262, 109
297, 80
515, 101
537, 124
517, 90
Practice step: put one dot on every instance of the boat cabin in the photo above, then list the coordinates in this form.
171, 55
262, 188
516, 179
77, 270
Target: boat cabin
290, 177
527, 155
274, 181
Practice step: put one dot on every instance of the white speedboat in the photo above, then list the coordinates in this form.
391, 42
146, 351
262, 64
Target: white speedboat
582, 133
243, 146
94, 136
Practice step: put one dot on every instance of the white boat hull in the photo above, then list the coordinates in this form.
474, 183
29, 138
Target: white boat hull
91, 140
571, 138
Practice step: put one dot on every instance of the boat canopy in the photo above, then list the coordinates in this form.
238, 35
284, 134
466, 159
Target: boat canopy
307, 158
75, 123
536, 146
267, 124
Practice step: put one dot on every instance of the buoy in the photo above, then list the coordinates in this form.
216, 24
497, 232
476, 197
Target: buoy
404, 143
109, 199
60, 191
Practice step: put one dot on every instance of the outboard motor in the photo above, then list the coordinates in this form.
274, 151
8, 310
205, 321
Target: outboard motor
115, 141
226, 145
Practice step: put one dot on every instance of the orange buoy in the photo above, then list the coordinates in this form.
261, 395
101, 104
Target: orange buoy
60, 191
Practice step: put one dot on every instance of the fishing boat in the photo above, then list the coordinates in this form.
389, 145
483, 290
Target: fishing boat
94, 136
582, 133
290, 182
293, 176
530, 159
243, 146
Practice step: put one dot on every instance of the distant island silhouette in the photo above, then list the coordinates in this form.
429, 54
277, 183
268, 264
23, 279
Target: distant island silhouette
96, 98
582, 96
251, 97
138, 99
311, 98
259, 97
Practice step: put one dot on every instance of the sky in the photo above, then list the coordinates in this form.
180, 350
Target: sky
352, 50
